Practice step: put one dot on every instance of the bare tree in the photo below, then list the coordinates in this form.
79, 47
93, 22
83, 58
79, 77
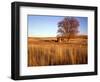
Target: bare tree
68, 27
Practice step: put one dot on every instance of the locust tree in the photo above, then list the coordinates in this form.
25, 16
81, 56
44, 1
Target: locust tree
68, 27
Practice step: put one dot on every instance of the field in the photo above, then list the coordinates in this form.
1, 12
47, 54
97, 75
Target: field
48, 51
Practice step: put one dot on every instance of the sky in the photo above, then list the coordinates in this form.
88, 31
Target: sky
46, 26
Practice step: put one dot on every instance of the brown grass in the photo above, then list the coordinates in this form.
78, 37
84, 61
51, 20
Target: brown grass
44, 53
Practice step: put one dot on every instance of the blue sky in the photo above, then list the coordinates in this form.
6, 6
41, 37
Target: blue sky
46, 26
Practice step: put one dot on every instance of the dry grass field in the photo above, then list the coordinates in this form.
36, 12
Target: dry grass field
48, 51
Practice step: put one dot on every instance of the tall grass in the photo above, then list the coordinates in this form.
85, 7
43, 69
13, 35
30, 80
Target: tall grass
44, 55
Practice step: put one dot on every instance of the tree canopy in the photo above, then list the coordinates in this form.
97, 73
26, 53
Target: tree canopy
68, 26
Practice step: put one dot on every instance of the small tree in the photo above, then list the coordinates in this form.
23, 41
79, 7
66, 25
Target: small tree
68, 27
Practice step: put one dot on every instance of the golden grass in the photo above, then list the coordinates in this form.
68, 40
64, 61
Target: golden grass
44, 54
